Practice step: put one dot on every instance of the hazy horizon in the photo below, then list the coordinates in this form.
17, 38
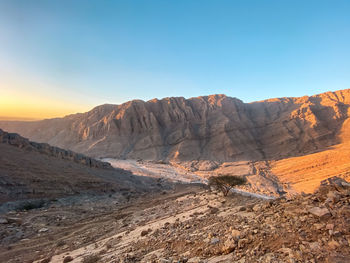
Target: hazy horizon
19, 118
63, 57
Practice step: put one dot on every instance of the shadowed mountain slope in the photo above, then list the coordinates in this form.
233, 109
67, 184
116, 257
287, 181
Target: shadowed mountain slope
33, 170
213, 127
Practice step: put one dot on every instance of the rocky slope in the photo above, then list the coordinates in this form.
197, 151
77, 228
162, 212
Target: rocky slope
40, 172
44, 148
214, 127
304, 173
188, 225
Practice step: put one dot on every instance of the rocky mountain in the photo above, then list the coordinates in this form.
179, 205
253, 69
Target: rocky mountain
40, 172
44, 148
213, 127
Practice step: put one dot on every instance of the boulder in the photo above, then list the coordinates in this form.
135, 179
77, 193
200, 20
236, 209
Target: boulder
320, 212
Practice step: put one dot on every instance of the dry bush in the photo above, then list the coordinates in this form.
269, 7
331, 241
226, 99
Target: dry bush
225, 183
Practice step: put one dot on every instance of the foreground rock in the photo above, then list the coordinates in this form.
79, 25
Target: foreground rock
276, 231
179, 227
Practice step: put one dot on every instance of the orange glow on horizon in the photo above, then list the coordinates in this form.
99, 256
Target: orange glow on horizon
29, 107
30, 98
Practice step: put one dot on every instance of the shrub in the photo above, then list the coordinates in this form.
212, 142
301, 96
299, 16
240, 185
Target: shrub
225, 183
32, 204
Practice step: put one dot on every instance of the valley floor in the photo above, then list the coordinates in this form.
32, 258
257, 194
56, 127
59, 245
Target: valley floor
186, 224
260, 180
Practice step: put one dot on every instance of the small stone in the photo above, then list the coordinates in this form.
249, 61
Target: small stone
194, 260
242, 242
333, 197
249, 208
214, 241
228, 247
67, 259
214, 210
330, 226
337, 234
256, 207
15, 220
3, 221
314, 245
235, 233
320, 212
144, 233
333, 244
42, 230
318, 226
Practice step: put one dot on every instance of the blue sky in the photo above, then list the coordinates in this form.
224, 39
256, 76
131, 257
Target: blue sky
92, 52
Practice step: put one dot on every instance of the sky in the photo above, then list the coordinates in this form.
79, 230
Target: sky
65, 56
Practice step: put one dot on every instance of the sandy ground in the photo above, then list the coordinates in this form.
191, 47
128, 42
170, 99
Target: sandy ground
261, 183
157, 170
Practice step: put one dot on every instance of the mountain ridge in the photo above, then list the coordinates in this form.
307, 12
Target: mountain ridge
39, 172
16, 140
214, 127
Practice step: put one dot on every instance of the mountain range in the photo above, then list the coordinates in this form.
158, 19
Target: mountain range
215, 127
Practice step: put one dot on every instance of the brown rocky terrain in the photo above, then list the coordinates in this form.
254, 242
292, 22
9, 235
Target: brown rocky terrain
280, 144
30, 170
44, 148
213, 127
186, 225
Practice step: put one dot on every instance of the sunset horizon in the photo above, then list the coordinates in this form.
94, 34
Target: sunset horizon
37, 112
63, 57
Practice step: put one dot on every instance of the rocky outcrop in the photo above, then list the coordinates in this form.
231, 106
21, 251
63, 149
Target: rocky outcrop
310, 228
44, 148
213, 127
190, 225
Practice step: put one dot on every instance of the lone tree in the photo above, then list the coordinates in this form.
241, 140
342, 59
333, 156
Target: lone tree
225, 183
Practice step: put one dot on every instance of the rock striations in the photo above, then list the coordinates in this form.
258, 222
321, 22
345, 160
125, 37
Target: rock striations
18, 141
213, 127
40, 172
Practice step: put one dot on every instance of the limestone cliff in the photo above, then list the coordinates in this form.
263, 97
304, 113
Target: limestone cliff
213, 127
